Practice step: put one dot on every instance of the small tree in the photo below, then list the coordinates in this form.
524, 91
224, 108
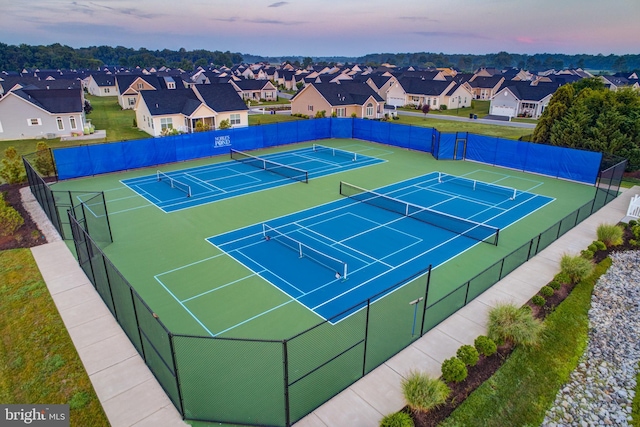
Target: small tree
10, 219
224, 124
201, 126
425, 109
12, 171
43, 161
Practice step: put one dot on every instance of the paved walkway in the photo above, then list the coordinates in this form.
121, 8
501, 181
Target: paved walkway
131, 396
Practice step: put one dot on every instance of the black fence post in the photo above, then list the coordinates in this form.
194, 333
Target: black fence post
366, 336
175, 371
426, 300
285, 363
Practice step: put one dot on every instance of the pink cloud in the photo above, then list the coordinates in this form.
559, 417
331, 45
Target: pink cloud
526, 40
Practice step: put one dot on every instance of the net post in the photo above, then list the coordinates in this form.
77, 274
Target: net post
355, 157
158, 175
439, 177
300, 249
514, 194
474, 184
344, 276
264, 230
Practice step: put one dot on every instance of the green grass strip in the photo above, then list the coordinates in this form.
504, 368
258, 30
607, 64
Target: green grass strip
635, 407
525, 387
38, 362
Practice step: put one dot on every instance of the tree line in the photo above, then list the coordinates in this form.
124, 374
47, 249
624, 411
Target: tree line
586, 115
57, 56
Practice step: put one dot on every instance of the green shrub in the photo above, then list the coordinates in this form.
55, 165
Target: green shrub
546, 291
423, 393
398, 419
636, 231
12, 171
454, 370
600, 245
511, 324
562, 278
610, 235
224, 124
538, 300
634, 242
576, 267
555, 285
632, 223
468, 354
587, 254
592, 247
10, 219
485, 346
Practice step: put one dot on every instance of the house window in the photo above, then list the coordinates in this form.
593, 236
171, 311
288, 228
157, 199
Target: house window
369, 110
166, 123
59, 123
140, 85
341, 112
106, 90
234, 119
171, 85
1, 127
310, 107
34, 122
72, 122
132, 101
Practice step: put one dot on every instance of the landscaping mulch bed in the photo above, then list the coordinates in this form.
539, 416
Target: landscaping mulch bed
487, 366
28, 235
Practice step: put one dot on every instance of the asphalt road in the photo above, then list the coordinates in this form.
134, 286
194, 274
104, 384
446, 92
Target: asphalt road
467, 119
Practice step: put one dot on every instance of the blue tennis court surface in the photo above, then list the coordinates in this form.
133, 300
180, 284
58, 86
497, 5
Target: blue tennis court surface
186, 188
375, 241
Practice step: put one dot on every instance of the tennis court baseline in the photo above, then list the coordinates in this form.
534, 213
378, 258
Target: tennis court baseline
186, 188
334, 256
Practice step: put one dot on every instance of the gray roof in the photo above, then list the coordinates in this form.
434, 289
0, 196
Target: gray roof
55, 101
346, 93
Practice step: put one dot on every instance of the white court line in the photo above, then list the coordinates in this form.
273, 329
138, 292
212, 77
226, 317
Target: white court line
183, 306
204, 183
222, 286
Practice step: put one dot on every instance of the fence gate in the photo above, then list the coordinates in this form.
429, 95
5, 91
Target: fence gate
460, 147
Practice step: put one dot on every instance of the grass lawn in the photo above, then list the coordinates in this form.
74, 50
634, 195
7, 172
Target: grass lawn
118, 123
449, 126
480, 108
38, 362
265, 119
629, 182
522, 390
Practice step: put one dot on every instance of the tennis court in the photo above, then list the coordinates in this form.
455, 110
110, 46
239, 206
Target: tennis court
244, 284
331, 257
246, 173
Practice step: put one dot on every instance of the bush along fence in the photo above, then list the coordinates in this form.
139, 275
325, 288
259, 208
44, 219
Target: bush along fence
277, 382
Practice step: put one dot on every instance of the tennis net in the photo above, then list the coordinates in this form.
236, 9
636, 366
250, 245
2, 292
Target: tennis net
268, 165
478, 185
305, 251
174, 183
335, 152
474, 230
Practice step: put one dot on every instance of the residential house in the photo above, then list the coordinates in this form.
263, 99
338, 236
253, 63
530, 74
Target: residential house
41, 113
256, 90
188, 110
485, 87
101, 84
418, 91
343, 99
129, 87
522, 99
617, 82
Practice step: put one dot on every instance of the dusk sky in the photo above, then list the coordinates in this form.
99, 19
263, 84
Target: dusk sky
330, 27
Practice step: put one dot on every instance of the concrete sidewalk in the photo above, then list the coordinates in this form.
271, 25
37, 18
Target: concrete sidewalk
131, 396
